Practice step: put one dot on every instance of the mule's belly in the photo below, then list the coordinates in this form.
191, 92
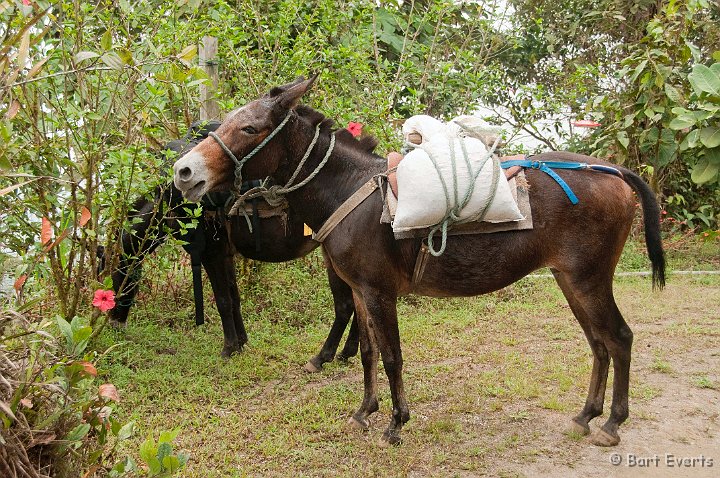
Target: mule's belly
478, 264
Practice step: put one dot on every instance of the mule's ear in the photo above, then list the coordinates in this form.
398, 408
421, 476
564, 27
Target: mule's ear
290, 97
277, 90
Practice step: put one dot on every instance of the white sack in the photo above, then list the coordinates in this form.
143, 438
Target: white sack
421, 198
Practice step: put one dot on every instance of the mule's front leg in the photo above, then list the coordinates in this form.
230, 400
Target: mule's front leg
369, 358
382, 314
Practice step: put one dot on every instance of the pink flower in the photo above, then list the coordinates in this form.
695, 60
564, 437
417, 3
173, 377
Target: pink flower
26, 2
104, 299
355, 128
586, 124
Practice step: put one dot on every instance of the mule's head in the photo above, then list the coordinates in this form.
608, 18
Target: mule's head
209, 168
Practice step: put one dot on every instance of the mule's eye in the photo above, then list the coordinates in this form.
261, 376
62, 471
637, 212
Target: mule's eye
249, 130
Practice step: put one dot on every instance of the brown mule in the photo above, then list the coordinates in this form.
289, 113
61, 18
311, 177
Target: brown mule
581, 244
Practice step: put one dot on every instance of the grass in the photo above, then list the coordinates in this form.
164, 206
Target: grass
489, 379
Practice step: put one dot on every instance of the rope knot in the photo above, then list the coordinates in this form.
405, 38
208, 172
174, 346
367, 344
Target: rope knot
274, 196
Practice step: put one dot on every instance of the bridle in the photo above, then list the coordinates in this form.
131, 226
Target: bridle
273, 194
239, 163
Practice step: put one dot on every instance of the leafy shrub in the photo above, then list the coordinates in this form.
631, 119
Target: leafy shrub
56, 418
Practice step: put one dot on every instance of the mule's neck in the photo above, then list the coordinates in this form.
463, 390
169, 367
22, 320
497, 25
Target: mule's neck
347, 169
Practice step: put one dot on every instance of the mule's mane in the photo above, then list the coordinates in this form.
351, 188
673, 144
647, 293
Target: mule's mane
342, 135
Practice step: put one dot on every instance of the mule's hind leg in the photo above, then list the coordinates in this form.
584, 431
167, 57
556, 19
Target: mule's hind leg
594, 298
351, 343
601, 362
242, 337
344, 309
618, 339
221, 272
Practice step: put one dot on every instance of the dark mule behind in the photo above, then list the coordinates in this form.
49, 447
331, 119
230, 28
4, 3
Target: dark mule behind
581, 244
273, 239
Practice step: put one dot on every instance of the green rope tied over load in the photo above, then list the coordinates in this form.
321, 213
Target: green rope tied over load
452, 213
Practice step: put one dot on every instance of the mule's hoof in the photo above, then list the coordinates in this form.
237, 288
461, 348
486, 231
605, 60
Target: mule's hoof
388, 439
344, 357
575, 428
311, 367
602, 438
230, 350
116, 324
359, 423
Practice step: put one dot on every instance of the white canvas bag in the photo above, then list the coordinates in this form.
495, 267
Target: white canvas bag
422, 199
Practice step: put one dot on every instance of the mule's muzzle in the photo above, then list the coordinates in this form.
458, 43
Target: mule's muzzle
192, 176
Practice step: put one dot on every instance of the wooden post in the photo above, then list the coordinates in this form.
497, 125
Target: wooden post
209, 107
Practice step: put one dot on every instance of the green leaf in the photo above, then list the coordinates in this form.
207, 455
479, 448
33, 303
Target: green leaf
107, 282
710, 136
81, 336
85, 55
148, 450
4, 163
112, 60
690, 141
125, 6
622, 138
188, 53
115, 426
716, 55
78, 432
155, 466
629, 119
672, 93
638, 70
106, 40
168, 436
715, 68
707, 168
126, 431
681, 122
704, 80
164, 449
171, 463
125, 56
66, 330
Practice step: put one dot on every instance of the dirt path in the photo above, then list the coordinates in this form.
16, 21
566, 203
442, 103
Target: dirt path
675, 431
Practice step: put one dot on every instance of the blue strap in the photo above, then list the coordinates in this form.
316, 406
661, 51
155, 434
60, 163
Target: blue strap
548, 166
569, 192
545, 166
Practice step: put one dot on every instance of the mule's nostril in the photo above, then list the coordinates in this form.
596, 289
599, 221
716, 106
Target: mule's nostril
185, 173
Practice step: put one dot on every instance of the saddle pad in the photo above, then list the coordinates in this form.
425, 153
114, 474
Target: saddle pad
519, 189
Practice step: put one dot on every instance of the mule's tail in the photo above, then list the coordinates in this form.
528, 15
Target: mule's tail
651, 220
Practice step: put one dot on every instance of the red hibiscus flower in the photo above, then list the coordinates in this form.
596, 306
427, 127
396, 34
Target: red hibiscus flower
586, 124
355, 128
104, 299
